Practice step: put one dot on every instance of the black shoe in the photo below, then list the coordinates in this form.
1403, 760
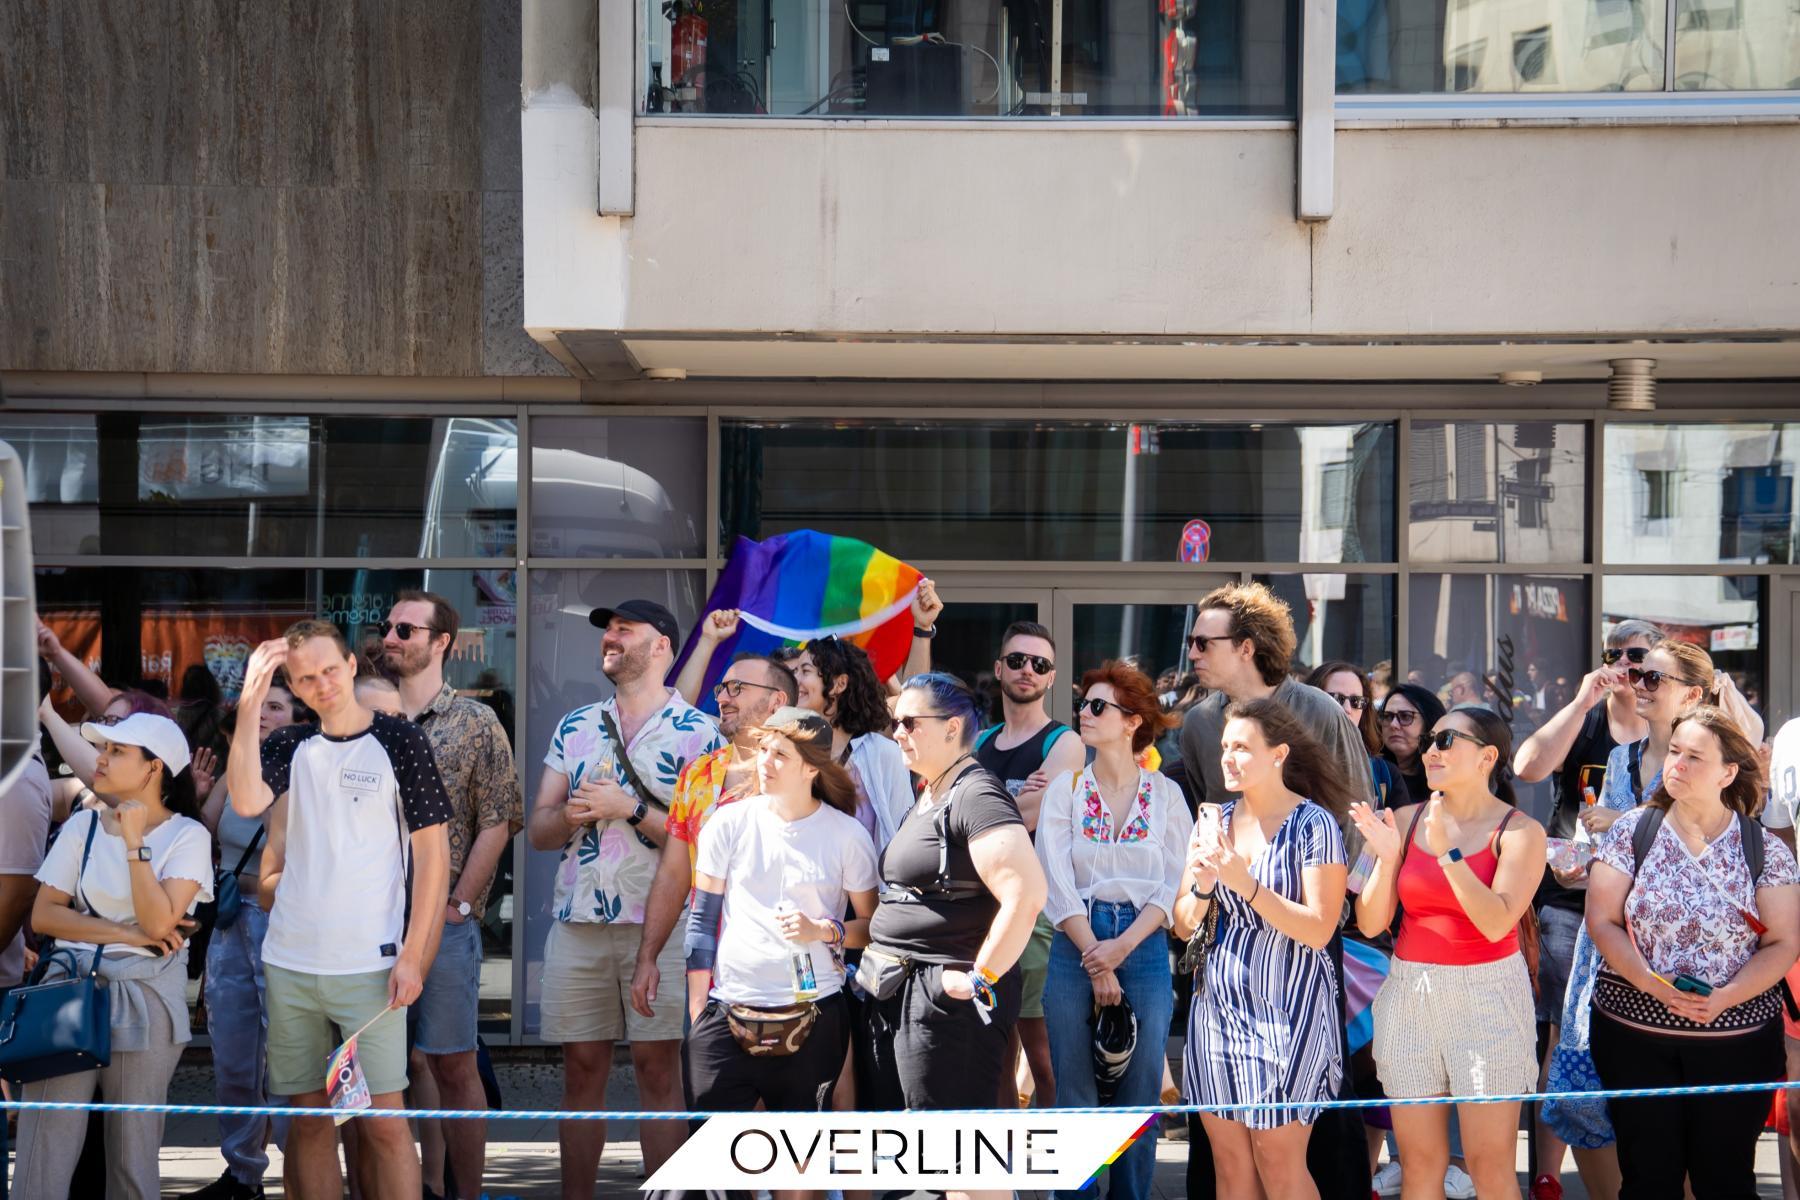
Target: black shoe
226, 1187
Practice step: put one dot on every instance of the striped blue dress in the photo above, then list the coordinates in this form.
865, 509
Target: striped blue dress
1265, 1027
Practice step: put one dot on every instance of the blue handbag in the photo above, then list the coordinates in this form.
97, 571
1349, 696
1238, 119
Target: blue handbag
60, 1026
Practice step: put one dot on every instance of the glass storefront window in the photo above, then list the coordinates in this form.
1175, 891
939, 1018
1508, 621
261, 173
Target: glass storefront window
1498, 493
618, 487
1713, 493
165, 629
1725, 615
1737, 45
1482, 46
1346, 618
564, 674
921, 58
1067, 491
267, 486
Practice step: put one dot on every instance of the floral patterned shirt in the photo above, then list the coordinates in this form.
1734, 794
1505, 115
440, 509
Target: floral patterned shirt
605, 874
1085, 860
700, 792
1683, 908
476, 763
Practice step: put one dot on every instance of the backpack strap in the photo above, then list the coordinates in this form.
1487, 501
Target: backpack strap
1755, 849
987, 735
1635, 758
1643, 836
1056, 730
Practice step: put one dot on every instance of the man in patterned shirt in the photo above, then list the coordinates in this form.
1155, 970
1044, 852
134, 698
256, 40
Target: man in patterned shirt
753, 688
476, 763
608, 779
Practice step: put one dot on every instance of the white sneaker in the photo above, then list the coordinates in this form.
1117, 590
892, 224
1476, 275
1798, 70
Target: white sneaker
1458, 1185
1387, 1180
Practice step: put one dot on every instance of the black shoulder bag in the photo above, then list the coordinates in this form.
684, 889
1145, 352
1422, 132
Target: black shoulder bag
631, 776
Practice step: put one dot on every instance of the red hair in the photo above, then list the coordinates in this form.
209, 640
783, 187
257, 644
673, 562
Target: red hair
1133, 692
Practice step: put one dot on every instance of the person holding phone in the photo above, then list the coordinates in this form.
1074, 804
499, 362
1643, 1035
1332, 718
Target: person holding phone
1697, 915
120, 882
1455, 1016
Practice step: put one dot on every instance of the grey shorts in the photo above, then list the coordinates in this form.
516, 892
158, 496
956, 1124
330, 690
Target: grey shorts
1557, 928
449, 1007
1456, 1031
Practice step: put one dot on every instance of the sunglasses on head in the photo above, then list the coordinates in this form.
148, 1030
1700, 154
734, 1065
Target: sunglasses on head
1097, 707
404, 628
1016, 662
1403, 718
1636, 654
1651, 680
1353, 703
1443, 739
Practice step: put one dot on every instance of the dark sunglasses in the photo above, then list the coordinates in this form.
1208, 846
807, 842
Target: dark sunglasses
1403, 718
1636, 654
1651, 680
1097, 707
1200, 641
1354, 703
1443, 739
1016, 662
735, 687
911, 724
405, 629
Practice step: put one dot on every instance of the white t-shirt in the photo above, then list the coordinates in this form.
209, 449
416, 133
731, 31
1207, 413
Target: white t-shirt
24, 829
1784, 779
180, 848
353, 804
812, 864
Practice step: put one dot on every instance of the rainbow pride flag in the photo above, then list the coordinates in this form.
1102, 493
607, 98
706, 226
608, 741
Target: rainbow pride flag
794, 587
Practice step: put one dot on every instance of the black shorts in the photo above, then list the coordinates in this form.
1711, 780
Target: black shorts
719, 1076
919, 1049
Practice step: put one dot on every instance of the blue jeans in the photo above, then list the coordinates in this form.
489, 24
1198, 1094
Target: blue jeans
1150, 990
237, 1020
448, 1009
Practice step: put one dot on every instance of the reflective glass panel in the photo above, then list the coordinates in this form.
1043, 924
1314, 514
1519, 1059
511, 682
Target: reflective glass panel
266, 486
1487, 46
1498, 493
1066, 491
1725, 615
564, 674
1714, 493
1151, 636
950, 58
179, 633
1515, 643
1343, 618
1737, 45
618, 487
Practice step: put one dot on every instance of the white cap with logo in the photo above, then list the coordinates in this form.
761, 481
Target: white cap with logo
157, 736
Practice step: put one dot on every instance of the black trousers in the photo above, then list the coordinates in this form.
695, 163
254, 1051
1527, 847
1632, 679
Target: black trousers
1709, 1140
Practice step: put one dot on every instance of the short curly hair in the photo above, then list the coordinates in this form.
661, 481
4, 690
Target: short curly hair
1136, 694
1260, 617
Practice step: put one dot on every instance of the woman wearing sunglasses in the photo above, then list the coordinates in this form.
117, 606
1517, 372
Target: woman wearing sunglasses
1696, 941
1350, 688
1672, 677
1455, 1016
1111, 838
1407, 715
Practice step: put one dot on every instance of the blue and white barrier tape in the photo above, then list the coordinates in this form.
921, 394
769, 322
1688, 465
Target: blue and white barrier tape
452, 1114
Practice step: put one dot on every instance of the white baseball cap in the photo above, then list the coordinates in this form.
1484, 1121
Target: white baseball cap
157, 736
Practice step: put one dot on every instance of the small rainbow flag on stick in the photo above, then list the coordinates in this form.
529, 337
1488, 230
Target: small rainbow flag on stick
794, 587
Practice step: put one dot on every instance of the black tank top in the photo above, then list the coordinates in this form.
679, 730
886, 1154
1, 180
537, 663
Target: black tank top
1013, 767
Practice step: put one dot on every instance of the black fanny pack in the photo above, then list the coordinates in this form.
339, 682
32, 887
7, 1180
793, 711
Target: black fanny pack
881, 972
1620, 1001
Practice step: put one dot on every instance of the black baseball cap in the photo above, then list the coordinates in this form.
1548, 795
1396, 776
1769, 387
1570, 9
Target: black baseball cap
646, 612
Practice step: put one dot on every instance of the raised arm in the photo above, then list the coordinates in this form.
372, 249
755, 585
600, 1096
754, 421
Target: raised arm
1547, 749
926, 609
715, 627
79, 753
250, 795
89, 688
1383, 838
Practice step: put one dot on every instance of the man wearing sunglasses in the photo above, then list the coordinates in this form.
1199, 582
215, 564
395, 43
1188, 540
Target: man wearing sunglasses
1574, 744
1025, 751
475, 760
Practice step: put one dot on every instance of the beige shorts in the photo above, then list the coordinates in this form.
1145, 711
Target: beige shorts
1456, 1031
587, 985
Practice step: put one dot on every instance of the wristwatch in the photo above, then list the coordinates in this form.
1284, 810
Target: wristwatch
927, 634
463, 908
141, 854
1200, 895
1452, 855
638, 813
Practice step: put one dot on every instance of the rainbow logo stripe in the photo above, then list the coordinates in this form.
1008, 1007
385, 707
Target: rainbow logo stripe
1114, 1156
794, 587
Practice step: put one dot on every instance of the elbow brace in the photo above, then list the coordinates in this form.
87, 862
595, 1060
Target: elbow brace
702, 942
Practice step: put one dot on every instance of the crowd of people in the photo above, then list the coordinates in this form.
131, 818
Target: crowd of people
856, 893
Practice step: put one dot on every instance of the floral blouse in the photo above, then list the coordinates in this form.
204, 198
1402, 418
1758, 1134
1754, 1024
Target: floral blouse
1683, 908
604, 877
1085, 858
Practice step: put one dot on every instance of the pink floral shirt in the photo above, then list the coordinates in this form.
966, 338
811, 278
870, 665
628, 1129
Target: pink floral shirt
1683, 908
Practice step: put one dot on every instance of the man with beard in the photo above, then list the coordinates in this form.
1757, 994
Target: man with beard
1025, 752
608, 779
476, 763
754, 687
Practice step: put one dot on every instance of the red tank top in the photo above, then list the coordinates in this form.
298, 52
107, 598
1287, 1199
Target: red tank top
1433, 926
